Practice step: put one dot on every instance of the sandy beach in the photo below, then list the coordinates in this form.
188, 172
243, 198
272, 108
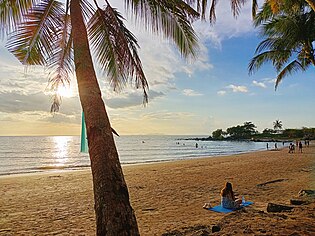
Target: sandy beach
168, 197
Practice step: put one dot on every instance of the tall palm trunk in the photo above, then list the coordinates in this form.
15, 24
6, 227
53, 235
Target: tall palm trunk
114, 215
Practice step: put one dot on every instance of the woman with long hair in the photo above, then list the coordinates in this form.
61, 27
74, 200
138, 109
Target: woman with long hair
228, 199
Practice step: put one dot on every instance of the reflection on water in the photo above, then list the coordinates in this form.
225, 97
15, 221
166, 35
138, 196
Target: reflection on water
62, 149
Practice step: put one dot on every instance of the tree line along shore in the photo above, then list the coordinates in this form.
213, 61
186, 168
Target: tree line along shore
248, 132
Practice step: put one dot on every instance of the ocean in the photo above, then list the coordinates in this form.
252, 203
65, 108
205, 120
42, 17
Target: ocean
20, 154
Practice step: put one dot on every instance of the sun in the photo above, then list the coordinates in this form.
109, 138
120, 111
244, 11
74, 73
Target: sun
64, 91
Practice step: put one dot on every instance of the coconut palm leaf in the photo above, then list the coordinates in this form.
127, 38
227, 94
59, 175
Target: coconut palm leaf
277, 57
115, 49
212, 16
87, 9
236, 6
289, 35
263, 15
169, 18
33, 42
11, 14
60, 65
254, 8
292, 67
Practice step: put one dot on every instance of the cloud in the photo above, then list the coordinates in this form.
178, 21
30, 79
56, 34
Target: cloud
226, 26
130, 99
221, 92
238, 88
191, 93
164, 115
63, 118
269, 80
259, 84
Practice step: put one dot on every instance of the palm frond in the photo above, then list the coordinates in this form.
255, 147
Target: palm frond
11, 14
263, 15
203, 9
288, 28
212, 16
292, 67
275, 56
171, 18
254, 8
115, 48
236, 6
87, 9
60, 64
56, 101
33, 41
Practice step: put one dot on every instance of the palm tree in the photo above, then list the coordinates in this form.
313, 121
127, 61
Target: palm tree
276, 5
288, 42
277, 125
236, 5
59, 36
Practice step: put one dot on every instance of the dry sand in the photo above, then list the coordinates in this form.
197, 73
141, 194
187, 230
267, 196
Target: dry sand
168, 197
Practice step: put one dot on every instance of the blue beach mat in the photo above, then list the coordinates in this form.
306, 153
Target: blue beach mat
221, 209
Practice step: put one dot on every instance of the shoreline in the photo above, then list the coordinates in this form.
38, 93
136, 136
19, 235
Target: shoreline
51, 169
167, 196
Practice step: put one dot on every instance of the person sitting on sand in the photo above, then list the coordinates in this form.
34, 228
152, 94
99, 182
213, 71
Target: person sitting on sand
228, 199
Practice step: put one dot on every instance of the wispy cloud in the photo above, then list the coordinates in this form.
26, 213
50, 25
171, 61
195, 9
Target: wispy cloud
166, 115
130, 99
226, 25
238, 88
221, 92
259, 84
191, 93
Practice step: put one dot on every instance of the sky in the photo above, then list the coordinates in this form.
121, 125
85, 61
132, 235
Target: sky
193, 97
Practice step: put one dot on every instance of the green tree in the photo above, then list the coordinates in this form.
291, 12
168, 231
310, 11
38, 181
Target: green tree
218, 134
276, 6
293, 133
277, 125
244, 131
59, 36
288, 40
268, 131
249, 128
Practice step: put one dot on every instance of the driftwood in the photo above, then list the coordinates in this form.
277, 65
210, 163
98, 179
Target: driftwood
278, 208
297, 202
271, 182
307, 192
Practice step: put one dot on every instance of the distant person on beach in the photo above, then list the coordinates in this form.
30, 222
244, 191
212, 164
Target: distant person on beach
276, 147
267, 146
291, 148
300, 147
196, 145
228, 199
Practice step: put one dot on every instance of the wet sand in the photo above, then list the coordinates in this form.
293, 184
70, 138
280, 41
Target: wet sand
168, 197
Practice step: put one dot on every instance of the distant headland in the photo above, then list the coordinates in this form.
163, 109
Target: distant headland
248, 132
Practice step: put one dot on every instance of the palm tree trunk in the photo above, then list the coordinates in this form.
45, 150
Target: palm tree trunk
114, 215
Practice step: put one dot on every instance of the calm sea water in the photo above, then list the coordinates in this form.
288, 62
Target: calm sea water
47, 153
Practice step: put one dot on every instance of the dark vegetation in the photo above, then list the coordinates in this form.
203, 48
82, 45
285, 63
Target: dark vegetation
247, 131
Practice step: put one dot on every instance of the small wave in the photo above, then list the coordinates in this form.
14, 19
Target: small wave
62, 167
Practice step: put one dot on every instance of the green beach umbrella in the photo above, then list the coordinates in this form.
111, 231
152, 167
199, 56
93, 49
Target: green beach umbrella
84, 143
